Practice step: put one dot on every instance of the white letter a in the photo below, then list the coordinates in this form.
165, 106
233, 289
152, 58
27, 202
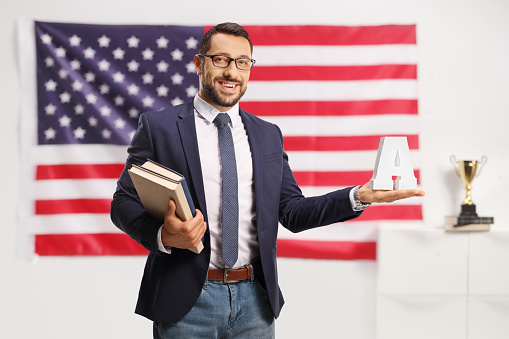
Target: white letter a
393, 160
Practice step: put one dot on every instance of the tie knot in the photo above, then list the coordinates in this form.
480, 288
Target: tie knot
222, 119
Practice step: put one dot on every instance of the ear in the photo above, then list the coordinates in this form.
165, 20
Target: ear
197, 64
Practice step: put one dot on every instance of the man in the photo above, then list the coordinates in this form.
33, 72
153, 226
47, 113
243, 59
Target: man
196, 295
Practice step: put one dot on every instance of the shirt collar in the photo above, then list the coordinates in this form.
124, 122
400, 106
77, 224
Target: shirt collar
209, 112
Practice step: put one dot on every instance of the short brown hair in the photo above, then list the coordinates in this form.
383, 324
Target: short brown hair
229, 28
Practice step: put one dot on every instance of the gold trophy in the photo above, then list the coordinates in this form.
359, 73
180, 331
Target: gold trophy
467, 170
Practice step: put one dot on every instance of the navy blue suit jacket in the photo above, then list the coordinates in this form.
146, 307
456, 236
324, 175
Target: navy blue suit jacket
172, 282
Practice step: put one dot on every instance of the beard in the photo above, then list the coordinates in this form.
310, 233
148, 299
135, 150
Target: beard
217, 98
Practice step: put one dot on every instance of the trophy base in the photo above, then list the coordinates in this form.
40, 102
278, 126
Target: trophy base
468, 216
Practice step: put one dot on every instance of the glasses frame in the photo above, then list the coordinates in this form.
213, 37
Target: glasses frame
211, 56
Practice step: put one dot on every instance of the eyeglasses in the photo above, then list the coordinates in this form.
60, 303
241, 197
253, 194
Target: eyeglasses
222, 61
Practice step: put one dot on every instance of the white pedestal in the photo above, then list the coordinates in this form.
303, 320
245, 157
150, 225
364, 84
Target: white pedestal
438, 284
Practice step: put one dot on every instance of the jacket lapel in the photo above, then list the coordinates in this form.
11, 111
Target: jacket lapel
255, 143
187, 129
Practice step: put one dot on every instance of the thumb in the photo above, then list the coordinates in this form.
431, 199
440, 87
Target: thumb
172, 207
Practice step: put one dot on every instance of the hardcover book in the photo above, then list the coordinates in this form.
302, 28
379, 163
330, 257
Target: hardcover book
156, 185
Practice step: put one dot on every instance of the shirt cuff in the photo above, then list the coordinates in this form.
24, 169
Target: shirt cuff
160, 246
357, 205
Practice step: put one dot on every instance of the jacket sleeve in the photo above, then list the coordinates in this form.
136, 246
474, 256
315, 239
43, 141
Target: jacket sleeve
298, 213
127, 212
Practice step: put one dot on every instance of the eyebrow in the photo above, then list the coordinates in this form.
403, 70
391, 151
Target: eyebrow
229, 55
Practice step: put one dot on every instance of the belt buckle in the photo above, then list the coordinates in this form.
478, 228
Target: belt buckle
225, 276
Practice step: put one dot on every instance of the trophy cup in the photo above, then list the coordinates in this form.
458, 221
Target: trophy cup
467, 170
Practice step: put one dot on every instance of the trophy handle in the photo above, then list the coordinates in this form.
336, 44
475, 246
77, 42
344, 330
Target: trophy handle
455, 164
481, 164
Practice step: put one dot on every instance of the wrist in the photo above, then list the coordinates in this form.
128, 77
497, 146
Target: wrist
359, 205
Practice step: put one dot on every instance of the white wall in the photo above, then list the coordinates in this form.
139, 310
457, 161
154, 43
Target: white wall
463, 88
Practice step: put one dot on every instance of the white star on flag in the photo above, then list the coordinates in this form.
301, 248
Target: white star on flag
191, 43
147, 101
65, 97
50, 109
77, 85
75, 40
89, 53
79, 133
92, 121
177, 55
60, 52
162, 66
190, 67
162, 91
50, 133
79, 109
104, 89
133, 42
51, 85
104, 41
105, 111
89, 77
147, 78
162, 42
65, 121
148, 54
133, 89
133, 66
104, 65
118, 77
46, 39
177, 79
118, 54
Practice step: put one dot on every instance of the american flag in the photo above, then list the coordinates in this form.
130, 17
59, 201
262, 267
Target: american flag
333, 90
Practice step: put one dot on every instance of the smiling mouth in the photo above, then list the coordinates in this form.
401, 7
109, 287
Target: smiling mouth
228, 85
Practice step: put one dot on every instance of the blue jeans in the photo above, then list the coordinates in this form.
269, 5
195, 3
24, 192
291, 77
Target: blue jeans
236, 310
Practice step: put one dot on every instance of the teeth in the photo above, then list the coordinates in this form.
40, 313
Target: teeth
229, 85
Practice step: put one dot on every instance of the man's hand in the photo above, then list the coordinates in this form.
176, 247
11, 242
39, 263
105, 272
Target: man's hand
182, 234
367, 195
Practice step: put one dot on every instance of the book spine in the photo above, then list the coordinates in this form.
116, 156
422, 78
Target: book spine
183, 182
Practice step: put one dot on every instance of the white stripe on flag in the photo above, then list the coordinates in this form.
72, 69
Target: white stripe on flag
361, 231
80, 154
331, 90
397, 124
75, 189
66, 224
335, 55
339, 161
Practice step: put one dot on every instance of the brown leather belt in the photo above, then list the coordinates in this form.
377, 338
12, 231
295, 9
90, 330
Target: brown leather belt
233, 275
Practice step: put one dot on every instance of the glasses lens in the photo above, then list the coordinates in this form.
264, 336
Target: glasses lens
244, 64
220, 61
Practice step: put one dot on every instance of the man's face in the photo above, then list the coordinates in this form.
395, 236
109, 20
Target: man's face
223, 87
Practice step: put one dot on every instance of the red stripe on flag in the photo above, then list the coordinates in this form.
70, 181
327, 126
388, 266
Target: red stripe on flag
337, 178
331, 35
330, 143
330, 108
63, 206
87, 244
79, 171
391, 212
331, 73
338, 250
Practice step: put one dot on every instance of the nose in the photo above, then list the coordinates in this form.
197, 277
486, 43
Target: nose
231, 71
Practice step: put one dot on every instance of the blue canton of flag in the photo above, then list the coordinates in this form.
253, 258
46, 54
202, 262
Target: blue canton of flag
93, 81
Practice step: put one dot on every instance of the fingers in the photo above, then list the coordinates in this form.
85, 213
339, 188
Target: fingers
368, 195
391, 196
182, 234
